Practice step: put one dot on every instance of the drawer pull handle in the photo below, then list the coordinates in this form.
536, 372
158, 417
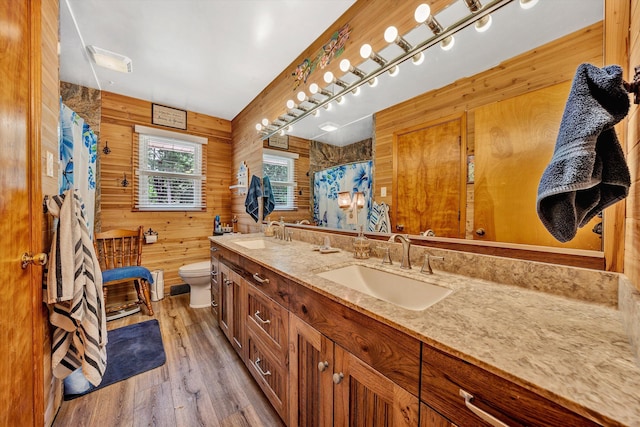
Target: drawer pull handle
468, 397
214, 304
263, 373
214, 273
213, 249
322, 366
259, 279
337, 378
227, 282
260, 319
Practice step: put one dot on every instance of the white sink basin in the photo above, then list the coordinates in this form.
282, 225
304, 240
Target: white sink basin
399, 290
252, 244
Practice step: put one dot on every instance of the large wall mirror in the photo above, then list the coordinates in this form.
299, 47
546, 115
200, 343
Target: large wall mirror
459, 142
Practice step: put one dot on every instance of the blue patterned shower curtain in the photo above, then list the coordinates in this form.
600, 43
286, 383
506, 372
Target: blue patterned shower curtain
329, 182
78, 155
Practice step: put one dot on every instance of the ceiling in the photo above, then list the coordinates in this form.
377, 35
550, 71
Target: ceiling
215, 56
209, 56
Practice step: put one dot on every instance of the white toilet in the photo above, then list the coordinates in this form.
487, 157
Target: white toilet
198, 277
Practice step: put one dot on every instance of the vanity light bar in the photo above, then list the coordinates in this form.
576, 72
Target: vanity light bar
445, 36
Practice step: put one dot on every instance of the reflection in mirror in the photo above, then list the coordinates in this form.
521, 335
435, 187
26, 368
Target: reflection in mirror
463, 158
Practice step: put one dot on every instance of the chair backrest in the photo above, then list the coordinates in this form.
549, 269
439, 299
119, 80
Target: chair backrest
119, 248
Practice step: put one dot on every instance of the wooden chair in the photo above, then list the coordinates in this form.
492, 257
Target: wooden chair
120, 255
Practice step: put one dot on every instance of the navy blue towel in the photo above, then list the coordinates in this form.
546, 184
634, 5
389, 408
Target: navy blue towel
251, 203
588, 171
269, 201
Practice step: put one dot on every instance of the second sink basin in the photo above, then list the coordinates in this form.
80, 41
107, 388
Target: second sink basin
399, 290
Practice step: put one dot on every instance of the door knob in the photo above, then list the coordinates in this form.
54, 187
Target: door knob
480, 232
322, 366
37, 259
338, 377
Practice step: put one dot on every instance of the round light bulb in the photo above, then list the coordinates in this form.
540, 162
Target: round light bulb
314, 88
340, 100
373, 82
316, 113
265, 122
447, 44
391, 34
258, 127
290, 104
289, 128
356, 91
327, 106
528, 4
418, 58
422, 13
393, 71
483, 24
345, 65
365, 50
282, 132
328, 77
301, 96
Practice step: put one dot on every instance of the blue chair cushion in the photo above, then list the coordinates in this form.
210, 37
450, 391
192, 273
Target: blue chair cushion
120, 273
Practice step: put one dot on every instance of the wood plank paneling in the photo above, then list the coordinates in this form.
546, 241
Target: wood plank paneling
182, 235
632, 230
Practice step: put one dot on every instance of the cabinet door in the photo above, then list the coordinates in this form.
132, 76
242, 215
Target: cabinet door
226, 301
232, 307
365, 398
431, 418
215, 284
310, 369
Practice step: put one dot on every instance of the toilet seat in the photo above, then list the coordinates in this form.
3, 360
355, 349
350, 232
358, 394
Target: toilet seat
196, 269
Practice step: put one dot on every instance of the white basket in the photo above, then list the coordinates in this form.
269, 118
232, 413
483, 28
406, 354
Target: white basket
157, 289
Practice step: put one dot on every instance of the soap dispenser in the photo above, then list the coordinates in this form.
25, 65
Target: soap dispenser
361, 245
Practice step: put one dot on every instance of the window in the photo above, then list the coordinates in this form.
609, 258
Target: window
170, 170
279, 166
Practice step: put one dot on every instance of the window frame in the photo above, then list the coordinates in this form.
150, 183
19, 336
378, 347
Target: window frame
199, 177
291, 184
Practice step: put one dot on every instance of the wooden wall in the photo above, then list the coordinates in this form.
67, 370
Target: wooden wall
632, 234
183, 235
367, 20
52, 387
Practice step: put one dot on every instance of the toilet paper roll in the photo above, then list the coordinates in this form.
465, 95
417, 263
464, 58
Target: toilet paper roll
150, 238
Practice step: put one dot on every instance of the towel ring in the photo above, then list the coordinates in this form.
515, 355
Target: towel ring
634, 86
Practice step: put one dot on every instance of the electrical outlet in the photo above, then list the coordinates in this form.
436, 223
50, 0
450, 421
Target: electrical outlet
383, 191
50, 164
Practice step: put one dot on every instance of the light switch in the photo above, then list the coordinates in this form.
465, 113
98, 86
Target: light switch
49, 163
383, 191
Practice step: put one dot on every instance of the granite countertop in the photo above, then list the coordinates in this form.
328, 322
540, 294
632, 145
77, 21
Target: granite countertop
572, 352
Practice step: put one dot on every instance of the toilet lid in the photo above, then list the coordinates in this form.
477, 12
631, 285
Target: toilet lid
203, 267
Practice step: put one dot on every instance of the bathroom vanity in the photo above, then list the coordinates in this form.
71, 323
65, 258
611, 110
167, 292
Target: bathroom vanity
325, 354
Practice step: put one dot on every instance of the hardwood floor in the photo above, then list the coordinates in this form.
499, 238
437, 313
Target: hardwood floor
203, 382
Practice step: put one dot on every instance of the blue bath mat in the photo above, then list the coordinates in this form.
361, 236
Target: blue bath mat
131, 350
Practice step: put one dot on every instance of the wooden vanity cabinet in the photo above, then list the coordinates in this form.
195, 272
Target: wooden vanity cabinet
429, 417
444, 376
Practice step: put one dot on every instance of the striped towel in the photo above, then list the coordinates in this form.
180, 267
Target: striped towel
74, 288
379, 218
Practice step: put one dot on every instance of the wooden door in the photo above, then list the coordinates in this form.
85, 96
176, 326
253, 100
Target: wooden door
509, 134
226, 301
310, 370
363, 397
428, 180
21, 318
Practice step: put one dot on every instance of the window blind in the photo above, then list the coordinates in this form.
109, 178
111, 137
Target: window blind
280, 168
170, 172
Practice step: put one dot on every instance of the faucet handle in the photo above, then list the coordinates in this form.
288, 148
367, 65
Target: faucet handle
386, 255
426, 265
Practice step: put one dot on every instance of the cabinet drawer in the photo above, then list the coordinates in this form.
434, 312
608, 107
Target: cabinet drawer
443, 377
269, 372
269, 320
273, 285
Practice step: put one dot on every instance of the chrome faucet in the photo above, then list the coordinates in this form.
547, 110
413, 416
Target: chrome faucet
406, 246
426, 266
279, 233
